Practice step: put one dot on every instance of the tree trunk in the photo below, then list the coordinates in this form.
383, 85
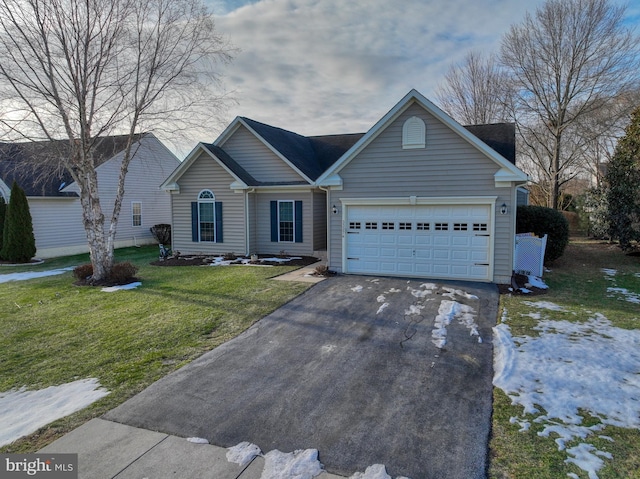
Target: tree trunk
93, 221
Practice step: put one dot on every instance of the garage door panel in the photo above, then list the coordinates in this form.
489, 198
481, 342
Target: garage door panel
448, 241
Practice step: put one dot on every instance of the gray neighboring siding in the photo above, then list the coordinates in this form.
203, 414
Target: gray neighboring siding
206, 173
58, 225
257, 159
264, 245
448, 166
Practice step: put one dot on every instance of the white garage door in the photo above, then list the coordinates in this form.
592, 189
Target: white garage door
439, 241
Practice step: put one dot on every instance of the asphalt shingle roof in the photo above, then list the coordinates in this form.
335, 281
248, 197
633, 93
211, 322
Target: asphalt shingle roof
37, 166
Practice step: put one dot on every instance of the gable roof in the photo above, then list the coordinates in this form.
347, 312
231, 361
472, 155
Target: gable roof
38, 169
508, 171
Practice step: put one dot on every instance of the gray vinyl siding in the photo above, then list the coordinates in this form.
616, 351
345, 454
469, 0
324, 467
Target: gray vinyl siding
320, 220
58, 225
206, 173
250, 153
448, 166
264, 245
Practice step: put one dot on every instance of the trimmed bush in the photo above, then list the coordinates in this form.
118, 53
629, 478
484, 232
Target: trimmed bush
123, 273
18, 241
82, 272
162, 233
541, 221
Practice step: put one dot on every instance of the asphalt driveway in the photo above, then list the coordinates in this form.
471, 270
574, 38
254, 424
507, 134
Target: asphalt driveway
350, 368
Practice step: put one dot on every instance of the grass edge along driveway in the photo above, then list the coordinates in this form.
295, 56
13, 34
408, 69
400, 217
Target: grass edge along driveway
586, 282
56, 333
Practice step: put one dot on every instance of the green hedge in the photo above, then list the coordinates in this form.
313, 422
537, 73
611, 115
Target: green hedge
541, 220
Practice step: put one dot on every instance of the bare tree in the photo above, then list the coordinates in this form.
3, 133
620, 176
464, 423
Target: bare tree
83, 69
476, 91
570, 59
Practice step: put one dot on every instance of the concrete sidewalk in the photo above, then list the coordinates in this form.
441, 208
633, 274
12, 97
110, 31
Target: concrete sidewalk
108, 450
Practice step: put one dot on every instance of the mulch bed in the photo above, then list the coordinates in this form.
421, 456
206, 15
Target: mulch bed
207, 260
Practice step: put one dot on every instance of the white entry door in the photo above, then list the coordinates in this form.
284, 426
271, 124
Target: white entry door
439, 241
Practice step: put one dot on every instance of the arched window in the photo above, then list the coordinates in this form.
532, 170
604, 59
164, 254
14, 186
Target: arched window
414, 133
206, 216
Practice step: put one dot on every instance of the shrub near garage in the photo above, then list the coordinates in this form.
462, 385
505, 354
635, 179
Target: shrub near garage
542, 221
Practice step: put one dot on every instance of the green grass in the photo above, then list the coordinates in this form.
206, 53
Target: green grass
54, 332
578, 284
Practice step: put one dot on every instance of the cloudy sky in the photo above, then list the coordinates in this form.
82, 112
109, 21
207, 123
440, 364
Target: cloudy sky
337, 66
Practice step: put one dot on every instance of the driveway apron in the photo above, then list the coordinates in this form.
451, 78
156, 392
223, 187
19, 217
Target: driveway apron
350, 368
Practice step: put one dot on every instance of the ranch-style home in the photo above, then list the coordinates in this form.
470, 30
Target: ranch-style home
418, 195
53, 196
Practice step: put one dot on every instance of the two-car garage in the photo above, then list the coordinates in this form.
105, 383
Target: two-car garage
443, 240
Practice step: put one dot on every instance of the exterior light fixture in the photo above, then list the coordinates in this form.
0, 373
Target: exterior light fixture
334, 209
503, 209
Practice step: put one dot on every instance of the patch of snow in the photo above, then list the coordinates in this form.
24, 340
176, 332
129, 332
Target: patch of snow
5, 278
537, 282
536, 316
393, 290
243, 453
382, 307
198, 440
414, 309
452, 293
523, 423
23, 412
301, 464
609, 273
447, 311
625, 294
590, 366
545, 305
111, 289
356, 289
278, 260
525, 290
377, 471
381, 298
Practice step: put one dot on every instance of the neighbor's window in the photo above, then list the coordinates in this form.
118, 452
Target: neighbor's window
136, 213
207, 216
285, 221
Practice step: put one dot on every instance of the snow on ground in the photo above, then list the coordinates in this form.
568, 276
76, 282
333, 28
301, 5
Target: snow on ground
622, 294
588, 366
356, 289
544, 305
536, 282
198, 440
447, 312
452, 293
23, 412
111, 289
5, 278
300, 464
243, 453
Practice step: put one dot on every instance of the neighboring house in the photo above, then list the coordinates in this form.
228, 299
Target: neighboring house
417, 195
53, 196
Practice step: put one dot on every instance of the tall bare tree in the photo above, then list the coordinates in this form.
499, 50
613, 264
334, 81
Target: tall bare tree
476, 91
569, 59
83, 69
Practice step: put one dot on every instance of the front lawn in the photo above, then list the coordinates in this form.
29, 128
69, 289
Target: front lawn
54, 332
591, 316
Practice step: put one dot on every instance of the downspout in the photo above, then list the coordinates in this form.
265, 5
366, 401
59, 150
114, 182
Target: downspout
327, 190
247, 226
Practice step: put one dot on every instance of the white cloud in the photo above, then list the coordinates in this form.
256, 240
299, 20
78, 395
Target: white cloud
337, 67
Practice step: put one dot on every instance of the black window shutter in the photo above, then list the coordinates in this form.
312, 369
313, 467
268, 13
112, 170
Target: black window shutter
218, 207
194, 222
298, 216
274, 221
